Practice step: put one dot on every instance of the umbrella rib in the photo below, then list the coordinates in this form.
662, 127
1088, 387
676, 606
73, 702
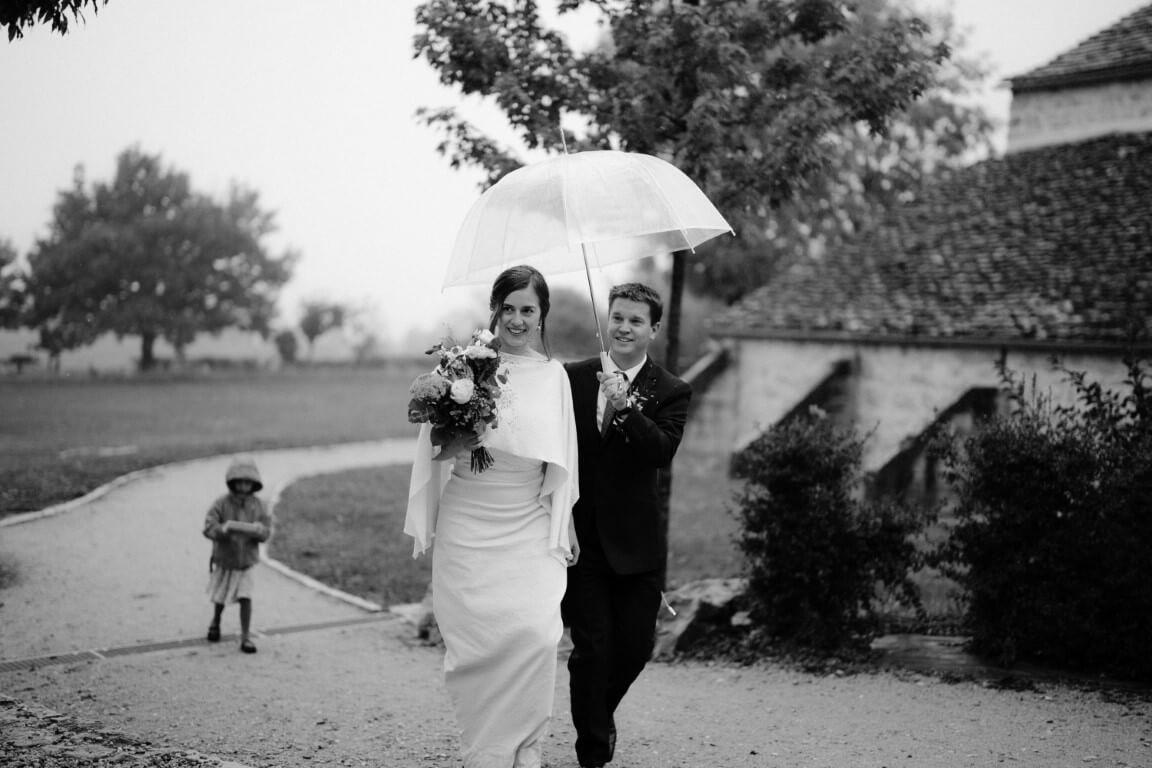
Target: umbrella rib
668, 203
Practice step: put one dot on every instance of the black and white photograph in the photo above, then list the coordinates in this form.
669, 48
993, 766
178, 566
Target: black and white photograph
575, 383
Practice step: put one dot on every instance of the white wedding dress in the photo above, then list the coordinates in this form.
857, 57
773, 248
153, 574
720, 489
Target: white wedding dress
498, 564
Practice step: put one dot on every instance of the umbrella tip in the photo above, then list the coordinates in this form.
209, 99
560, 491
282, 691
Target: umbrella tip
563, 141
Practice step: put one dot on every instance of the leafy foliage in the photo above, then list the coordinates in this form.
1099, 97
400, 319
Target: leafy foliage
739, 95
11, 286
20, 14
1053, 544
145, 255
816, 553
864, 174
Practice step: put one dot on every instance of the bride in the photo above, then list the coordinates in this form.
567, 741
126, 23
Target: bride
502, 539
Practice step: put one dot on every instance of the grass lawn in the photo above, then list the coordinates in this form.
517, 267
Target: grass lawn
60, 438
346, 530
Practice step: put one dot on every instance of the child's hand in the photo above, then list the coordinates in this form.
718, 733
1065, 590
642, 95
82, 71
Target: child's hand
246, 529
227, 526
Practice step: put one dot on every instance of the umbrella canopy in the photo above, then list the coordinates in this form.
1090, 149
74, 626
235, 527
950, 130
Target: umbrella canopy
581, 210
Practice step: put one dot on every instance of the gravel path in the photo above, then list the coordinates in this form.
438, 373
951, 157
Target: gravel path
357, 689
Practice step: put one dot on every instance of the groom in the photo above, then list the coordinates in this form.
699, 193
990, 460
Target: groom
629, 421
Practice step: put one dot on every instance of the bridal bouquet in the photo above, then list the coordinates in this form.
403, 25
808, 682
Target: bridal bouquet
459, 396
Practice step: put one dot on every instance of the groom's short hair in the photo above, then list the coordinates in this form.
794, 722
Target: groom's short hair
641, 293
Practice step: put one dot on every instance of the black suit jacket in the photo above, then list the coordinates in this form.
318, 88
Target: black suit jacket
619, 511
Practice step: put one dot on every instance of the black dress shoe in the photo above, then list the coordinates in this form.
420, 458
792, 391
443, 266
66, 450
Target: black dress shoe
611, 750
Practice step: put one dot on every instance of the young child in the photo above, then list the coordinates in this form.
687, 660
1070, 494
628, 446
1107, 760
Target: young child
237, 522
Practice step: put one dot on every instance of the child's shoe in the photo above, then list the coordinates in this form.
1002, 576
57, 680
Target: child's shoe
247, 646
214, 633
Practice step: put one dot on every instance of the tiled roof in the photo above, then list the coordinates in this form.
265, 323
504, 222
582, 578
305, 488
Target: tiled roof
1053, 244
1122, 50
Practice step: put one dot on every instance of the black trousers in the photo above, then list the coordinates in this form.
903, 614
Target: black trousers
613, 623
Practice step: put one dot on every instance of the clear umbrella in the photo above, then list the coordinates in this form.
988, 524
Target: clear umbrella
578, 211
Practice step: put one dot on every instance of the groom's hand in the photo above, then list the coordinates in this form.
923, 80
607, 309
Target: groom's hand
615, 388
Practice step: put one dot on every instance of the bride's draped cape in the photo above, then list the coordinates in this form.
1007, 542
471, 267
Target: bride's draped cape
536, 421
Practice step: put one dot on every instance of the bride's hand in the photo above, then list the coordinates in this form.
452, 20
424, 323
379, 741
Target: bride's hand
458, 445
573, 543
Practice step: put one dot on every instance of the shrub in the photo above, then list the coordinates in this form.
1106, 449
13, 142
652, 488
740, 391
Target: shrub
1053, 541
816, 553
287, 346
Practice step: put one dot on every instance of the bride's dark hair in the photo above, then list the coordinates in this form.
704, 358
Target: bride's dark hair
514, 279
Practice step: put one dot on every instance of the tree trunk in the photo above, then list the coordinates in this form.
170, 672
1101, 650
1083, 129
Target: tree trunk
664, 494
147, 358
672, 315
672, 363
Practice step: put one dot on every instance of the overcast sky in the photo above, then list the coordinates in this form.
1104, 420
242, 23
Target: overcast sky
311, 103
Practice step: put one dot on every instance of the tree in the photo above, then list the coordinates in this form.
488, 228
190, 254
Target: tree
739, 95
147, 256
286, 345
58, 336
54, 302
317, 318
19, 360
866, 175
11, 286
19, 14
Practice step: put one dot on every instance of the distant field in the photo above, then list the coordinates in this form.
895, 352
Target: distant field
61, 437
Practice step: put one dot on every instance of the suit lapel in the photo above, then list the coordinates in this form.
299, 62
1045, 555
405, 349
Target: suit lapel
644, 387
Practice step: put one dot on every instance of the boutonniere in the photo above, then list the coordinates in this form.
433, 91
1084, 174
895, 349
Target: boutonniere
640, 393
637, 399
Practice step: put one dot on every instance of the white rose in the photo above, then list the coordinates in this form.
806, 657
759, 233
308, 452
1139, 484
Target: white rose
476, 351
462, 390
484, 336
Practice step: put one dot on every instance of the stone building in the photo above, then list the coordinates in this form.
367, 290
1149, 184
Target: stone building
1045, 252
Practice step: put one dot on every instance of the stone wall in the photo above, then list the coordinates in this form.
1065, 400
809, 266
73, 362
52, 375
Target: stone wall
897, 390
1044, 118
